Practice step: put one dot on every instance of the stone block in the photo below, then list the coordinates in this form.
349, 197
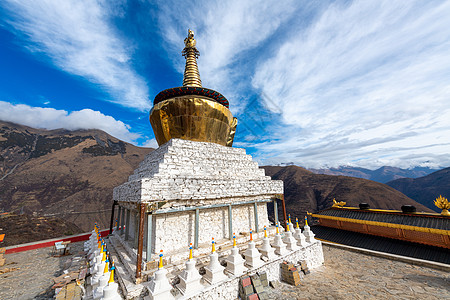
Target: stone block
263, 296
289, 274
263, 278
252, 297
245, 287
246, 281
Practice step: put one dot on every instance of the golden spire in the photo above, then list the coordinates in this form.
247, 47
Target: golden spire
191, 74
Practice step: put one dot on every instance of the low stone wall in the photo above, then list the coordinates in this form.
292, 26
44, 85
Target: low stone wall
228, 289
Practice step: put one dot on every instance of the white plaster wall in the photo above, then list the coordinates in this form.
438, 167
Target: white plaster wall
173, 232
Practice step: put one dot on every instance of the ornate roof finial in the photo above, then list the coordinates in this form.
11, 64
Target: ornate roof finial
442, 203
191, 73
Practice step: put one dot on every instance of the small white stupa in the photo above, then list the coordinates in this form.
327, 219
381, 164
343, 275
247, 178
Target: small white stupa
190, 277
298, 235
235, 262
252, 255
291, 226
214, 271
111, 292
159, 288
309, 235
96, 257
267, 250
97, 270
278, 244
102, 282
89, 246
289, 240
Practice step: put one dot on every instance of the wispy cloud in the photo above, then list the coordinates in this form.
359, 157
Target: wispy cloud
78, 36
50, 118
225, 31
365, 83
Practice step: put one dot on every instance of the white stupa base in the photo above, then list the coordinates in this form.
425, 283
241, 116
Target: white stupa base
252, 256
290, 241
235, 263
190, 279
102, 283
301, 240
214, 271
279, 245
95, 258
111, 292
267, 250
309, 235
96, 272
95, 252
89, 245
159, 288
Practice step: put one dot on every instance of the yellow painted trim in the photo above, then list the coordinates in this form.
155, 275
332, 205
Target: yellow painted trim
383, 224
390, 211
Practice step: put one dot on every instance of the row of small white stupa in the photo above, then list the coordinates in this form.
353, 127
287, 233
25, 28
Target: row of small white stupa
100, 285
190, 278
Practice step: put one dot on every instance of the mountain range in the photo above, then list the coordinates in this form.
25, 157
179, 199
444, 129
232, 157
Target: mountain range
383, 174
307, 191
425, 189
70, 175
61, 173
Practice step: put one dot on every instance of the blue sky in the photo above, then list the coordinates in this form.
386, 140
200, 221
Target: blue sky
315, 83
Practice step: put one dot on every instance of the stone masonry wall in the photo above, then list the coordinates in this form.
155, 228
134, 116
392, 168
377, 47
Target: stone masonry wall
187, 170
176, 230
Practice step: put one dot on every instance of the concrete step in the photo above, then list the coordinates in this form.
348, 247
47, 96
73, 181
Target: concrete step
127, 259
126, 271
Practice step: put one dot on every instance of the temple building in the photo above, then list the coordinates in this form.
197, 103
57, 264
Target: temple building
193, 189
424, 236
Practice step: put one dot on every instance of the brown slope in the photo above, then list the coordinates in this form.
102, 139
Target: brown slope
306, 191
25, 228
68, 174
425, 189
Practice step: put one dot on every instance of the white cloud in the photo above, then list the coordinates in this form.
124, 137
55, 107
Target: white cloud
152, 143
224, 31
50, 118
78, 37
364, 84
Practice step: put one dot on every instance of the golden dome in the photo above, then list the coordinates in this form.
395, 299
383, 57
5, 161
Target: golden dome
192, 112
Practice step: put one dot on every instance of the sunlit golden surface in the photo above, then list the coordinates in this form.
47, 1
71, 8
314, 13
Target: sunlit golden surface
192, 118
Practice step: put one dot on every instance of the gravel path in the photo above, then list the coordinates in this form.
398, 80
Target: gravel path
36, 269
351, 275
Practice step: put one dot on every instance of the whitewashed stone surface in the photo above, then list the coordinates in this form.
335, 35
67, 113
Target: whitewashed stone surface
188, 170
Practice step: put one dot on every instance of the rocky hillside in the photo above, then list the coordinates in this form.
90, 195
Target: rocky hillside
67, 174
425, 189
25, 228
383, 174
306, 191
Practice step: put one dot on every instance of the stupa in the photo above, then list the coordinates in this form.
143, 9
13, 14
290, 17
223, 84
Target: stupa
195, 186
